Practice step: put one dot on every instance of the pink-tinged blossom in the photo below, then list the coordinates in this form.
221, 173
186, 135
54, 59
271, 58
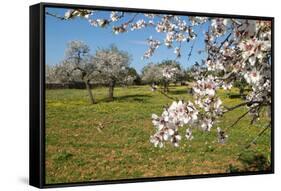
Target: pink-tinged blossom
206, 124
252, 77
173, 118
205, 87
219, 26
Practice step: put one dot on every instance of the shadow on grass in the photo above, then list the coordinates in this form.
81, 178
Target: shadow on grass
129, 98
133, 87
237, 96
251, 161
177, 92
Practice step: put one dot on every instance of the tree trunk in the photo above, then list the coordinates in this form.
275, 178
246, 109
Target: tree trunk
166, 87
92, 99
111, 90
241, 91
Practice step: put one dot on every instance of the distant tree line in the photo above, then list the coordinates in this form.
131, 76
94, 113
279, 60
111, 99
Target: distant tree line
109, 67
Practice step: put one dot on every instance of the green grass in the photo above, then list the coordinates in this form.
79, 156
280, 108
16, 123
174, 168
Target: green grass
110, 140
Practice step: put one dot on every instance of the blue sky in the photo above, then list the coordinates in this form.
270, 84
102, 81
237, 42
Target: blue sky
59, 32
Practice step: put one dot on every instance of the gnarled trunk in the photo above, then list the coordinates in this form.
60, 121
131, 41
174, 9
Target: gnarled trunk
241, 91
88, 86
166, 86
111, 90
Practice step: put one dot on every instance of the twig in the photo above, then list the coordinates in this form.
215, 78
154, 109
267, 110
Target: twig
192, 46
240, 105
256, 138
57, 16
191, 49
132, 19
226, 39
226, 77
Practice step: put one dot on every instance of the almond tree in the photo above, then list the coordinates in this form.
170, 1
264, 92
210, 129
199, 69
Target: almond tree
164, 73
152, 74
171, 72
133, 77
113, 66
78, 65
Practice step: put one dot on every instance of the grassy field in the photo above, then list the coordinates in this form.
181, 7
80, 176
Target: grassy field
110, 140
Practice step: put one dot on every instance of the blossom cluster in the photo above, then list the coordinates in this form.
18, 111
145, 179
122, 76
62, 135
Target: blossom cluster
176, 28
244, 53
153, 44
173, 118
169, 72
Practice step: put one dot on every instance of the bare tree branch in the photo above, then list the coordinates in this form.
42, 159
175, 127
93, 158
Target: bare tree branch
225, 40
258, 135
239, 118
249, 103
55, 15
254, 140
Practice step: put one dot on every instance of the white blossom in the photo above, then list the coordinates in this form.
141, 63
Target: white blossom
153, 45
172, 118
188, 134
169, 72
252, 77
222, 137
219, 26
115, 16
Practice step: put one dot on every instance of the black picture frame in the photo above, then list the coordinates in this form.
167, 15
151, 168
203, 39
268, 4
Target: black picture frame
37, 95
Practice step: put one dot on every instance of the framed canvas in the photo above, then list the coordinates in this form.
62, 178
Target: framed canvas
123, 95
